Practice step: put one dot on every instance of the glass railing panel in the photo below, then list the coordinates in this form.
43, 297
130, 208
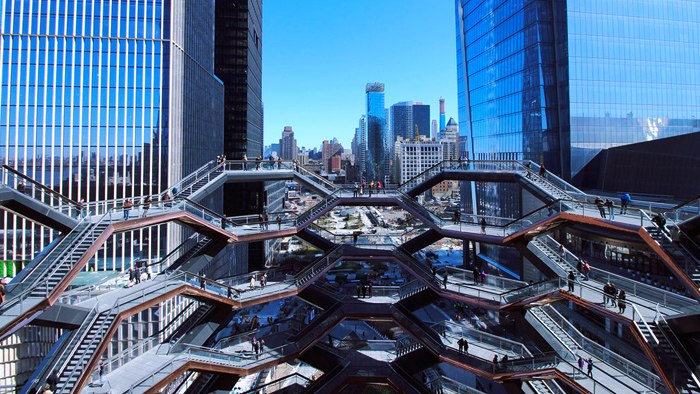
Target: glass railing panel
552, 179
631, 287
280, 384
685, 211
411, 288
449, 386
448, 328
118, 360
533, 290
467, 277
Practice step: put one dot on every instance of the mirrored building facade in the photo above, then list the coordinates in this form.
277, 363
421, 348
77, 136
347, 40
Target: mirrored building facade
378, 134
106, 99
557, 81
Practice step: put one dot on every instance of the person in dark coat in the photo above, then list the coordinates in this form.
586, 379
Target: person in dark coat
622, 301
52, 380
572, 279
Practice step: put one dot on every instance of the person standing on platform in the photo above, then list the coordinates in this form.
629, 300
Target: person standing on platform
586, 270
622, 301
601, 206
606, 293
624, 202
611, 208
572, 279
127, 208
137, 274
146, 205
581, 364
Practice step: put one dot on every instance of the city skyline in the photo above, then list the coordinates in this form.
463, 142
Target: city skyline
314, 75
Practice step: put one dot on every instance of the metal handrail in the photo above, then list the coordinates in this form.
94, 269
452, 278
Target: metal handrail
60, 196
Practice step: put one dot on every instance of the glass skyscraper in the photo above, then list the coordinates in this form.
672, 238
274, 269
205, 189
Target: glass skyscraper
378, 136
421, 119
106, 99
402, 120
557, 81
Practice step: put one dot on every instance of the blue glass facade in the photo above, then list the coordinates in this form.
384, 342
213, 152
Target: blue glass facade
378, 135
556, 81
421, 119
402, 120
104, 99
634, 72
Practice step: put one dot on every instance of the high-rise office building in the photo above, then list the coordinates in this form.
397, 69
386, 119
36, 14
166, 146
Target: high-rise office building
402, 120
434, 130
99, 110
239, 66
359, 150
442, 114
407, 117
421, 119
558, 81
288, 144
378, 135
416, 156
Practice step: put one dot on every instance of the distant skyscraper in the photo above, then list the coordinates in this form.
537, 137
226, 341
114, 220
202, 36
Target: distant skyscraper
449, 138
329, 149
377, 133
406, 116
434, 131
414, 157
288, 144
402, 120
442, 114
421, 119
360, 148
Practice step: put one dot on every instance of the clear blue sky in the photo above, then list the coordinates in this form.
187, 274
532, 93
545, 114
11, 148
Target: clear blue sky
318, 55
